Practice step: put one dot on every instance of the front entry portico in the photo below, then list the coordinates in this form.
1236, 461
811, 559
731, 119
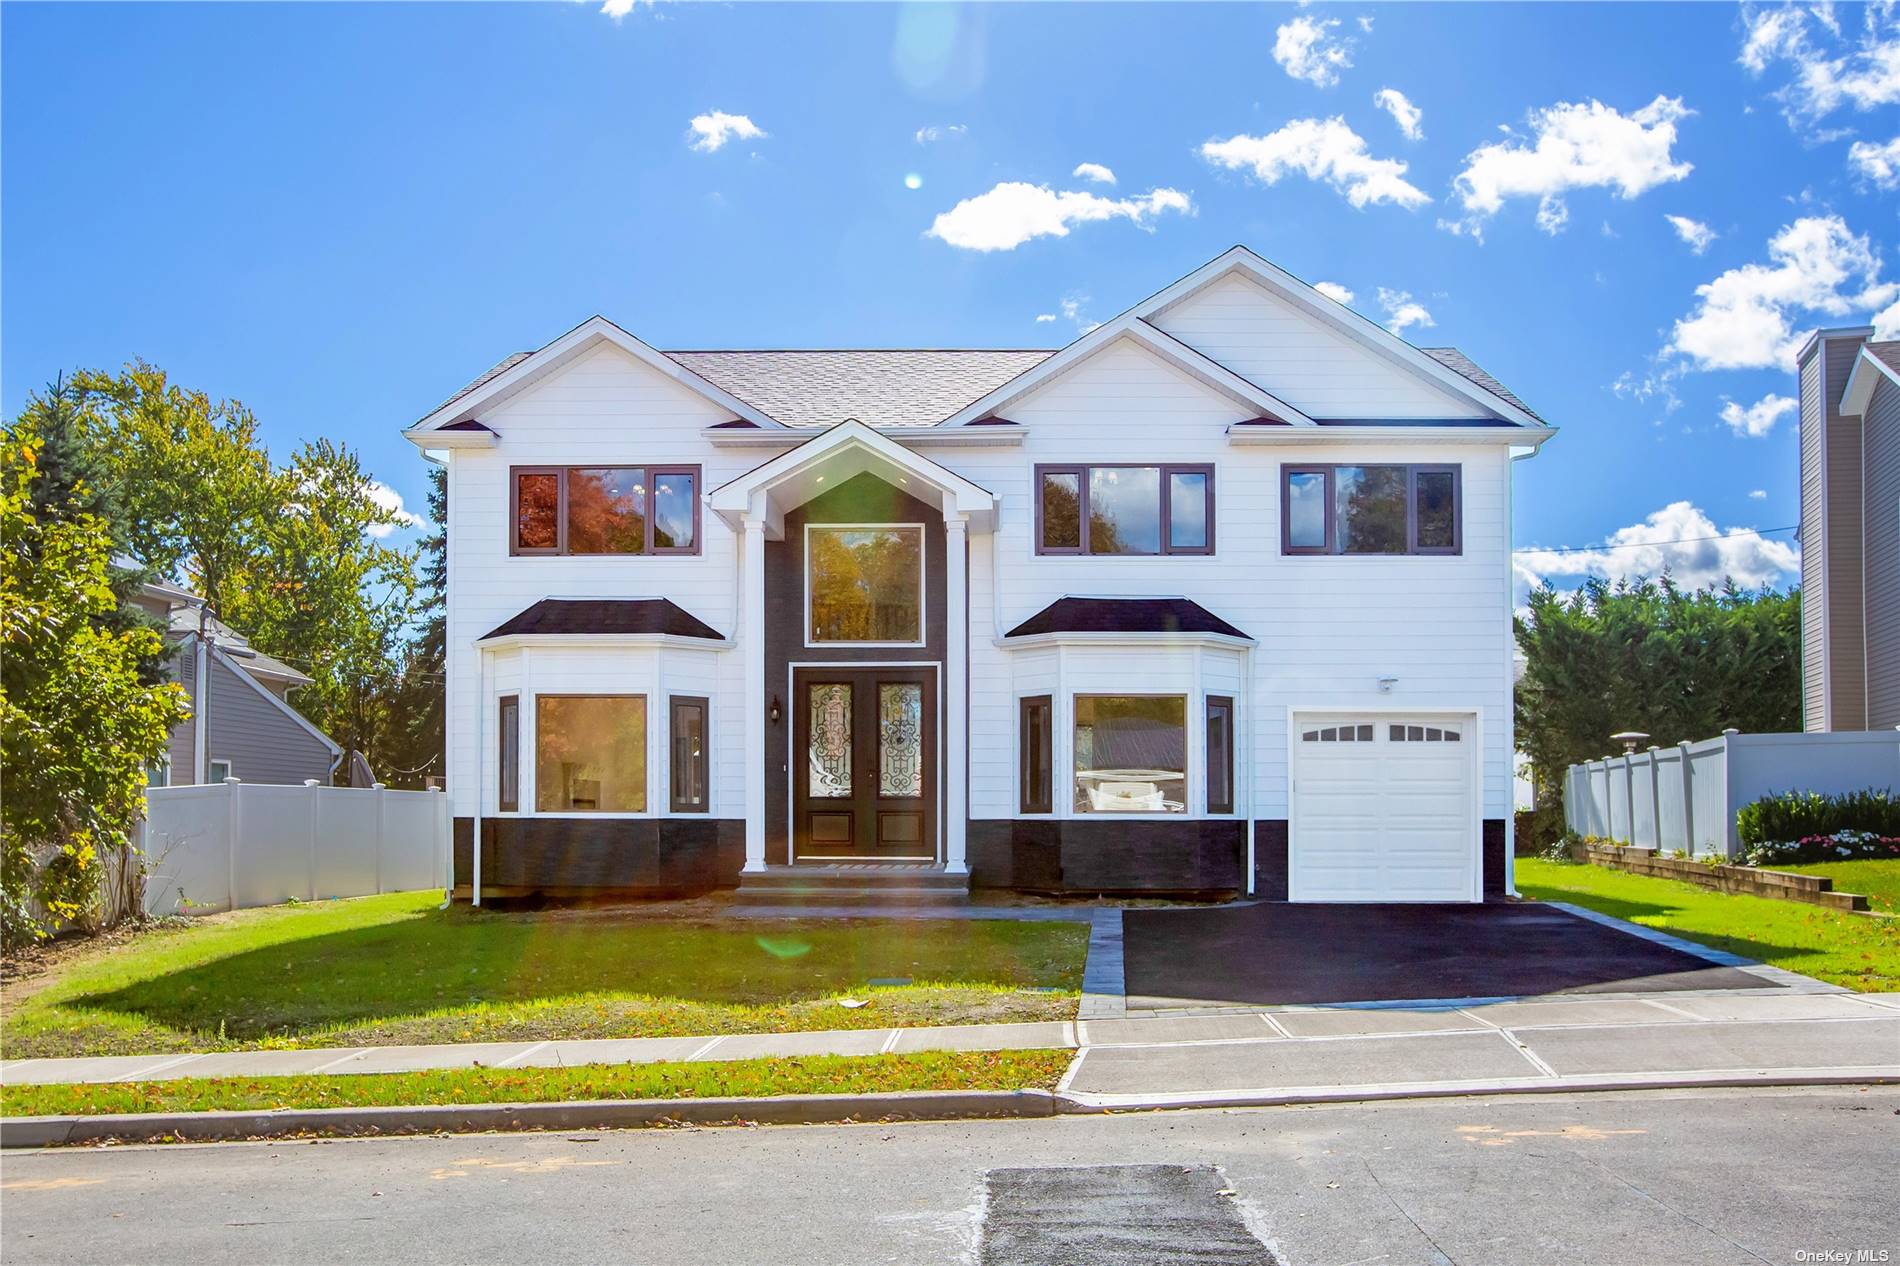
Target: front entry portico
850, 798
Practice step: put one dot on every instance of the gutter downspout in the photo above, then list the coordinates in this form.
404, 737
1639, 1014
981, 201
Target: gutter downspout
481, 759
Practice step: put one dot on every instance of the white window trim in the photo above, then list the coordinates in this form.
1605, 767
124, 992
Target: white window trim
923, 585
212, 762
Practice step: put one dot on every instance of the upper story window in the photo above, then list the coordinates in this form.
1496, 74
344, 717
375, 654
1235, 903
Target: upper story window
1124, 509
1371, 510
864, 582
605, 510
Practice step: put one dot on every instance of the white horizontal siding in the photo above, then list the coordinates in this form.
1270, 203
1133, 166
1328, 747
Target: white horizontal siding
1326, 628
1316, 369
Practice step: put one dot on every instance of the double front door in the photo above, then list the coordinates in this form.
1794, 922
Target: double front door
864, 764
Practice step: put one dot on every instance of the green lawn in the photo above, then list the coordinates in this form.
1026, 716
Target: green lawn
1843, 949
1877, 879
392, 970
814, 1075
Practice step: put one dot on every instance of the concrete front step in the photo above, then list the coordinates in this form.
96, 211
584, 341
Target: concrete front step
854, 885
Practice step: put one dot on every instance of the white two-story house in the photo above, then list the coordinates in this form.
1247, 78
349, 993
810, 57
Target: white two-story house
1215, 599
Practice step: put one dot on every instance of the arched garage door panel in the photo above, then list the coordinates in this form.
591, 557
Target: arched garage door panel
1384, 809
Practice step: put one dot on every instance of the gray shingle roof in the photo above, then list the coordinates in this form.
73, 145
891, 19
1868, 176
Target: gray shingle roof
879, 388
500, 366
1459, 363
1888, 352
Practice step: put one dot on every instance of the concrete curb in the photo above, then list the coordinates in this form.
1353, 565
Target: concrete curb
949, 1105
913, 1105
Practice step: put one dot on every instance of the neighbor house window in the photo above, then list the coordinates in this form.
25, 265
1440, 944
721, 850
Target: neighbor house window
688, 768
220, 770
865, 583
606, 510
1036, 769
1125, 510
1370, 510
1131, 754
1220, 754
590, 753
508, 749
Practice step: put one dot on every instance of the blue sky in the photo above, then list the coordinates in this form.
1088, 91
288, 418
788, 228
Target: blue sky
339, 213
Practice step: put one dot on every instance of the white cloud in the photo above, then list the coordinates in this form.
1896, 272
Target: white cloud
935, 132
1403, 112
1887, 322
1401, 310
1044, 316
1365, 24
1744, 319
1758, 419
1319, 149
1306, 48
391, 500
618, 9
1758, 494
1695, 234
1334, 291
1015, 211
1095, 172
1678, 539
1575, 145
1552, 215
1876, 161
708, 132
1865, 75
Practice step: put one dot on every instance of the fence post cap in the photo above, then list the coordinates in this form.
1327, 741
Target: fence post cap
1728, 730
311, 782
1654, 748
377, 786
232, 781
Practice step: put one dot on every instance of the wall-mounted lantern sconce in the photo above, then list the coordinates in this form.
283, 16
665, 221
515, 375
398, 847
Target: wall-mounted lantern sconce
775, 711
1386, 684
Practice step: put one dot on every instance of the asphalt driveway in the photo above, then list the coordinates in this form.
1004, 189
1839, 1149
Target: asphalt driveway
1275, 954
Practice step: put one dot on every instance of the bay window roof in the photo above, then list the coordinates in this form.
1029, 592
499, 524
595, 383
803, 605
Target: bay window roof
1125, 615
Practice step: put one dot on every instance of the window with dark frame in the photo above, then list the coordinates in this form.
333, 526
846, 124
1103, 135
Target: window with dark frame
1371, 509
583, 510
689, 765
1037, 766
1220, 754
508, 745
1125, 509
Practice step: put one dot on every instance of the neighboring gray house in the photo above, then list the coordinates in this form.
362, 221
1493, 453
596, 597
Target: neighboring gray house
242, 724
1850, 531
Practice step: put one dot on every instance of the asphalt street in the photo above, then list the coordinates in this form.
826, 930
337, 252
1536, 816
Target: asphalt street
1716, 1177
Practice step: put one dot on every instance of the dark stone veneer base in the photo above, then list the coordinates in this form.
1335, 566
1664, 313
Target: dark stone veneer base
636, 856
1191, 856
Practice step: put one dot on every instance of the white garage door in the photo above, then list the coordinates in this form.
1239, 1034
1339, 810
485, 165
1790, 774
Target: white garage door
1383, 809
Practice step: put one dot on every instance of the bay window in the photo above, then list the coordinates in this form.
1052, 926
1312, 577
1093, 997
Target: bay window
590, 753
1130, 753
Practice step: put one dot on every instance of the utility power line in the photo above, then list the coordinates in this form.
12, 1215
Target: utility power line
1680, 540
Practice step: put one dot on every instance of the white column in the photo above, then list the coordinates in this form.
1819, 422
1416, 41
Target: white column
956, 703
752, 625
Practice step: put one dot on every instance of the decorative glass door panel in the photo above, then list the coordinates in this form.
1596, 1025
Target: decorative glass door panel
866, 775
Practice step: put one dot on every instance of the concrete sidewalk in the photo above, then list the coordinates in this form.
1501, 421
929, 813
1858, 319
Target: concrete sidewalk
1275, 1053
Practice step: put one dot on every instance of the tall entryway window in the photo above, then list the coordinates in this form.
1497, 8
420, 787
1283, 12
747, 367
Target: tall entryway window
864, 777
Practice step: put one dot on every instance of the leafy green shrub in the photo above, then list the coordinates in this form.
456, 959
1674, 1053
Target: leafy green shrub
1536, 829
1789, 816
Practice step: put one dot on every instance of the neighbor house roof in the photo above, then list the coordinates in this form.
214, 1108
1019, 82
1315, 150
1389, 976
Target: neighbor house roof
557, 617
1124, 615
183, 622
1888, 353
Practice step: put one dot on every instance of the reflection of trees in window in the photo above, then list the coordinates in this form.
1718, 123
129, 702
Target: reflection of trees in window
606, 510
1061, 511
1370, 505
537, 511
1437, 518
1125, 510
673, 511
590, 754
865, 584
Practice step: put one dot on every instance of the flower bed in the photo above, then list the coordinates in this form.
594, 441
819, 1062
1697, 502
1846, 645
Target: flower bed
1845, 845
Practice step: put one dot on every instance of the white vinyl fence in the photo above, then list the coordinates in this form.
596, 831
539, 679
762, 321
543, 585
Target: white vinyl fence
230, 845
1686, 796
